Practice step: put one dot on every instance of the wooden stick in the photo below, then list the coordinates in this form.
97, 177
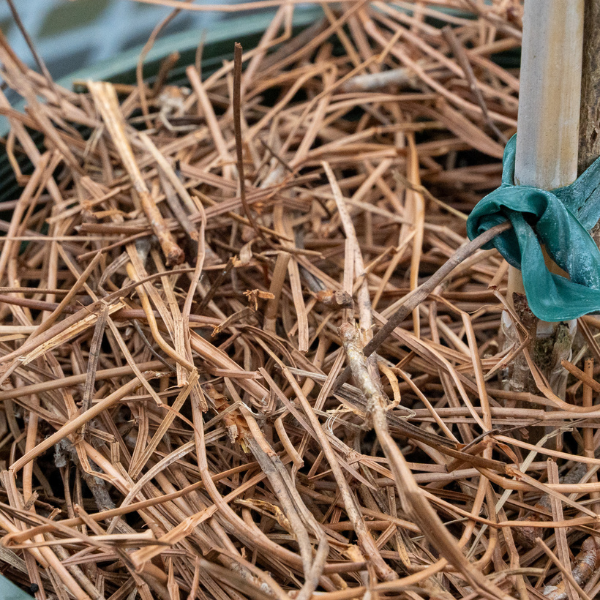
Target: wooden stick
237, 123
106, 100
589, 120
419, 294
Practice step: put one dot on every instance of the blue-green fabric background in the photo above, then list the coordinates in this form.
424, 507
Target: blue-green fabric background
72, 34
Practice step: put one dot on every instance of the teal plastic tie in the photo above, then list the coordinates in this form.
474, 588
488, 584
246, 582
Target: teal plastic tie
559, 220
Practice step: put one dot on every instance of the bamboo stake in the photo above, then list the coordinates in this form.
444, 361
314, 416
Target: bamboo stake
548, 124
550, 93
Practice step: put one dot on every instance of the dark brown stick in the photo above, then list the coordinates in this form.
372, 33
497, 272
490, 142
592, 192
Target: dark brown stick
417, 296
92, 366
237, 125
38, 59
589, 120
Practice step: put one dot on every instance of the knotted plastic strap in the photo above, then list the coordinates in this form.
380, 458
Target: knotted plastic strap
559, 220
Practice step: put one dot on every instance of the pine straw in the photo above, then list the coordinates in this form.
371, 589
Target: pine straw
173, 341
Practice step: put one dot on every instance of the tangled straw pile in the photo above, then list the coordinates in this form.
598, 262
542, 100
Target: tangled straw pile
174, 335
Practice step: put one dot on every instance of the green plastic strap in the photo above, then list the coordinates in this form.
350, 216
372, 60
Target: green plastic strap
9, 591
559, 220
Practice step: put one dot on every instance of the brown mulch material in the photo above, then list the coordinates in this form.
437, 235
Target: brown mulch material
186, 274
